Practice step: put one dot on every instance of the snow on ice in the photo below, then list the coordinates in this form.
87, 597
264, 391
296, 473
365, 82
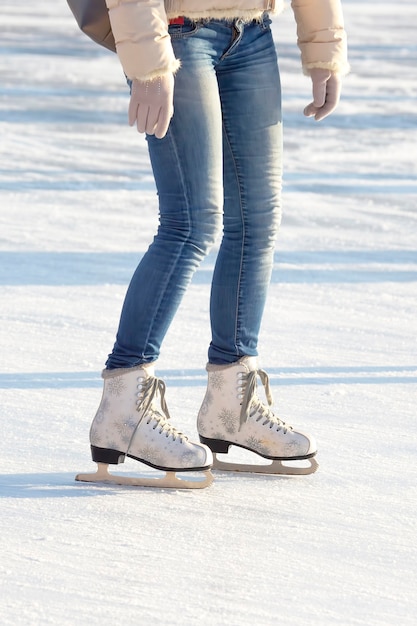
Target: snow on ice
78, 208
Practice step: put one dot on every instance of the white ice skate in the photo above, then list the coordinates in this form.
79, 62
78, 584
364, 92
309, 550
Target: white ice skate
233, 415
127, 423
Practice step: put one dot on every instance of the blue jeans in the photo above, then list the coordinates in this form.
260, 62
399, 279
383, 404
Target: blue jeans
219, 166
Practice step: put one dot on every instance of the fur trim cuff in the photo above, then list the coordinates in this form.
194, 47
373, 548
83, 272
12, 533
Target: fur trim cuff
106, 373
225, 14
337, 68
172, 69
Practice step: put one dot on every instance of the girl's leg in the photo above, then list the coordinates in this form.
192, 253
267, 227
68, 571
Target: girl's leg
187, 165
250, 94
232, 413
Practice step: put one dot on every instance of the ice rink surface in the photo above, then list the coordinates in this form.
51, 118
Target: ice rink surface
77, 210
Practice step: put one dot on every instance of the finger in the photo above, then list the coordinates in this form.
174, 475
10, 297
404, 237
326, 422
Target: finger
142, 118
152, 120
310, 110
323, 112
132, 111
164, 119
332, 100
319, 93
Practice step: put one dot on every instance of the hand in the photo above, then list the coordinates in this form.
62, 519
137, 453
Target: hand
151, 105
326, 93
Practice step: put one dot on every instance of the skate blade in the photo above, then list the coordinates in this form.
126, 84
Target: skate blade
169, 481
275, 467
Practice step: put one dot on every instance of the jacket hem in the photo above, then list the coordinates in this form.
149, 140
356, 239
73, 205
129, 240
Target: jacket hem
220, 15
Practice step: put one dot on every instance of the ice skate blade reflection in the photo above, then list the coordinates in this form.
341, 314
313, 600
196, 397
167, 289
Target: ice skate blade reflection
169, 481
274, 467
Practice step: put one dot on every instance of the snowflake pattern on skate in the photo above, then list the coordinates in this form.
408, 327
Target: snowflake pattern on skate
257, 445
116, 386
188, 459
125, 429
229, 419
112, 444
293, 447
216, 380
151, 454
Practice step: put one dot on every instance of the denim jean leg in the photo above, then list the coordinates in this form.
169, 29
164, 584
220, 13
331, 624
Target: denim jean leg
234, 82
250, 93
187, 166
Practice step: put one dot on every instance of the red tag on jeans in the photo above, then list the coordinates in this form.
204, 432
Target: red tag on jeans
177, 20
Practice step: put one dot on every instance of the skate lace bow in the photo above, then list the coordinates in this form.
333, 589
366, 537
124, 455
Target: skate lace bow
251, 404
150, 389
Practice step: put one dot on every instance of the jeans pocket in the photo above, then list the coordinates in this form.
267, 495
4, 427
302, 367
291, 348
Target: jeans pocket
180, 31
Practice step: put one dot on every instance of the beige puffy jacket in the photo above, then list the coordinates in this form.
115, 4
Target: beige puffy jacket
140, 29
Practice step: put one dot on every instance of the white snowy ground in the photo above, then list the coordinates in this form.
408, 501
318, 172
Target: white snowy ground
78, 209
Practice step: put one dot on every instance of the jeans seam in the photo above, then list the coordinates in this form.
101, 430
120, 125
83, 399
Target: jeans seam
239, 281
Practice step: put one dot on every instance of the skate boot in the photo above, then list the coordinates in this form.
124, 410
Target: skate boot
232, 414
128, 423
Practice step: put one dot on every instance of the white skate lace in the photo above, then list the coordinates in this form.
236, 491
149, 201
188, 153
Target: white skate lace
252, 405
151, 388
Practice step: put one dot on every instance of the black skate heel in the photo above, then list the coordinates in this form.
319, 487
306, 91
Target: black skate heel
107, 455
216, 445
